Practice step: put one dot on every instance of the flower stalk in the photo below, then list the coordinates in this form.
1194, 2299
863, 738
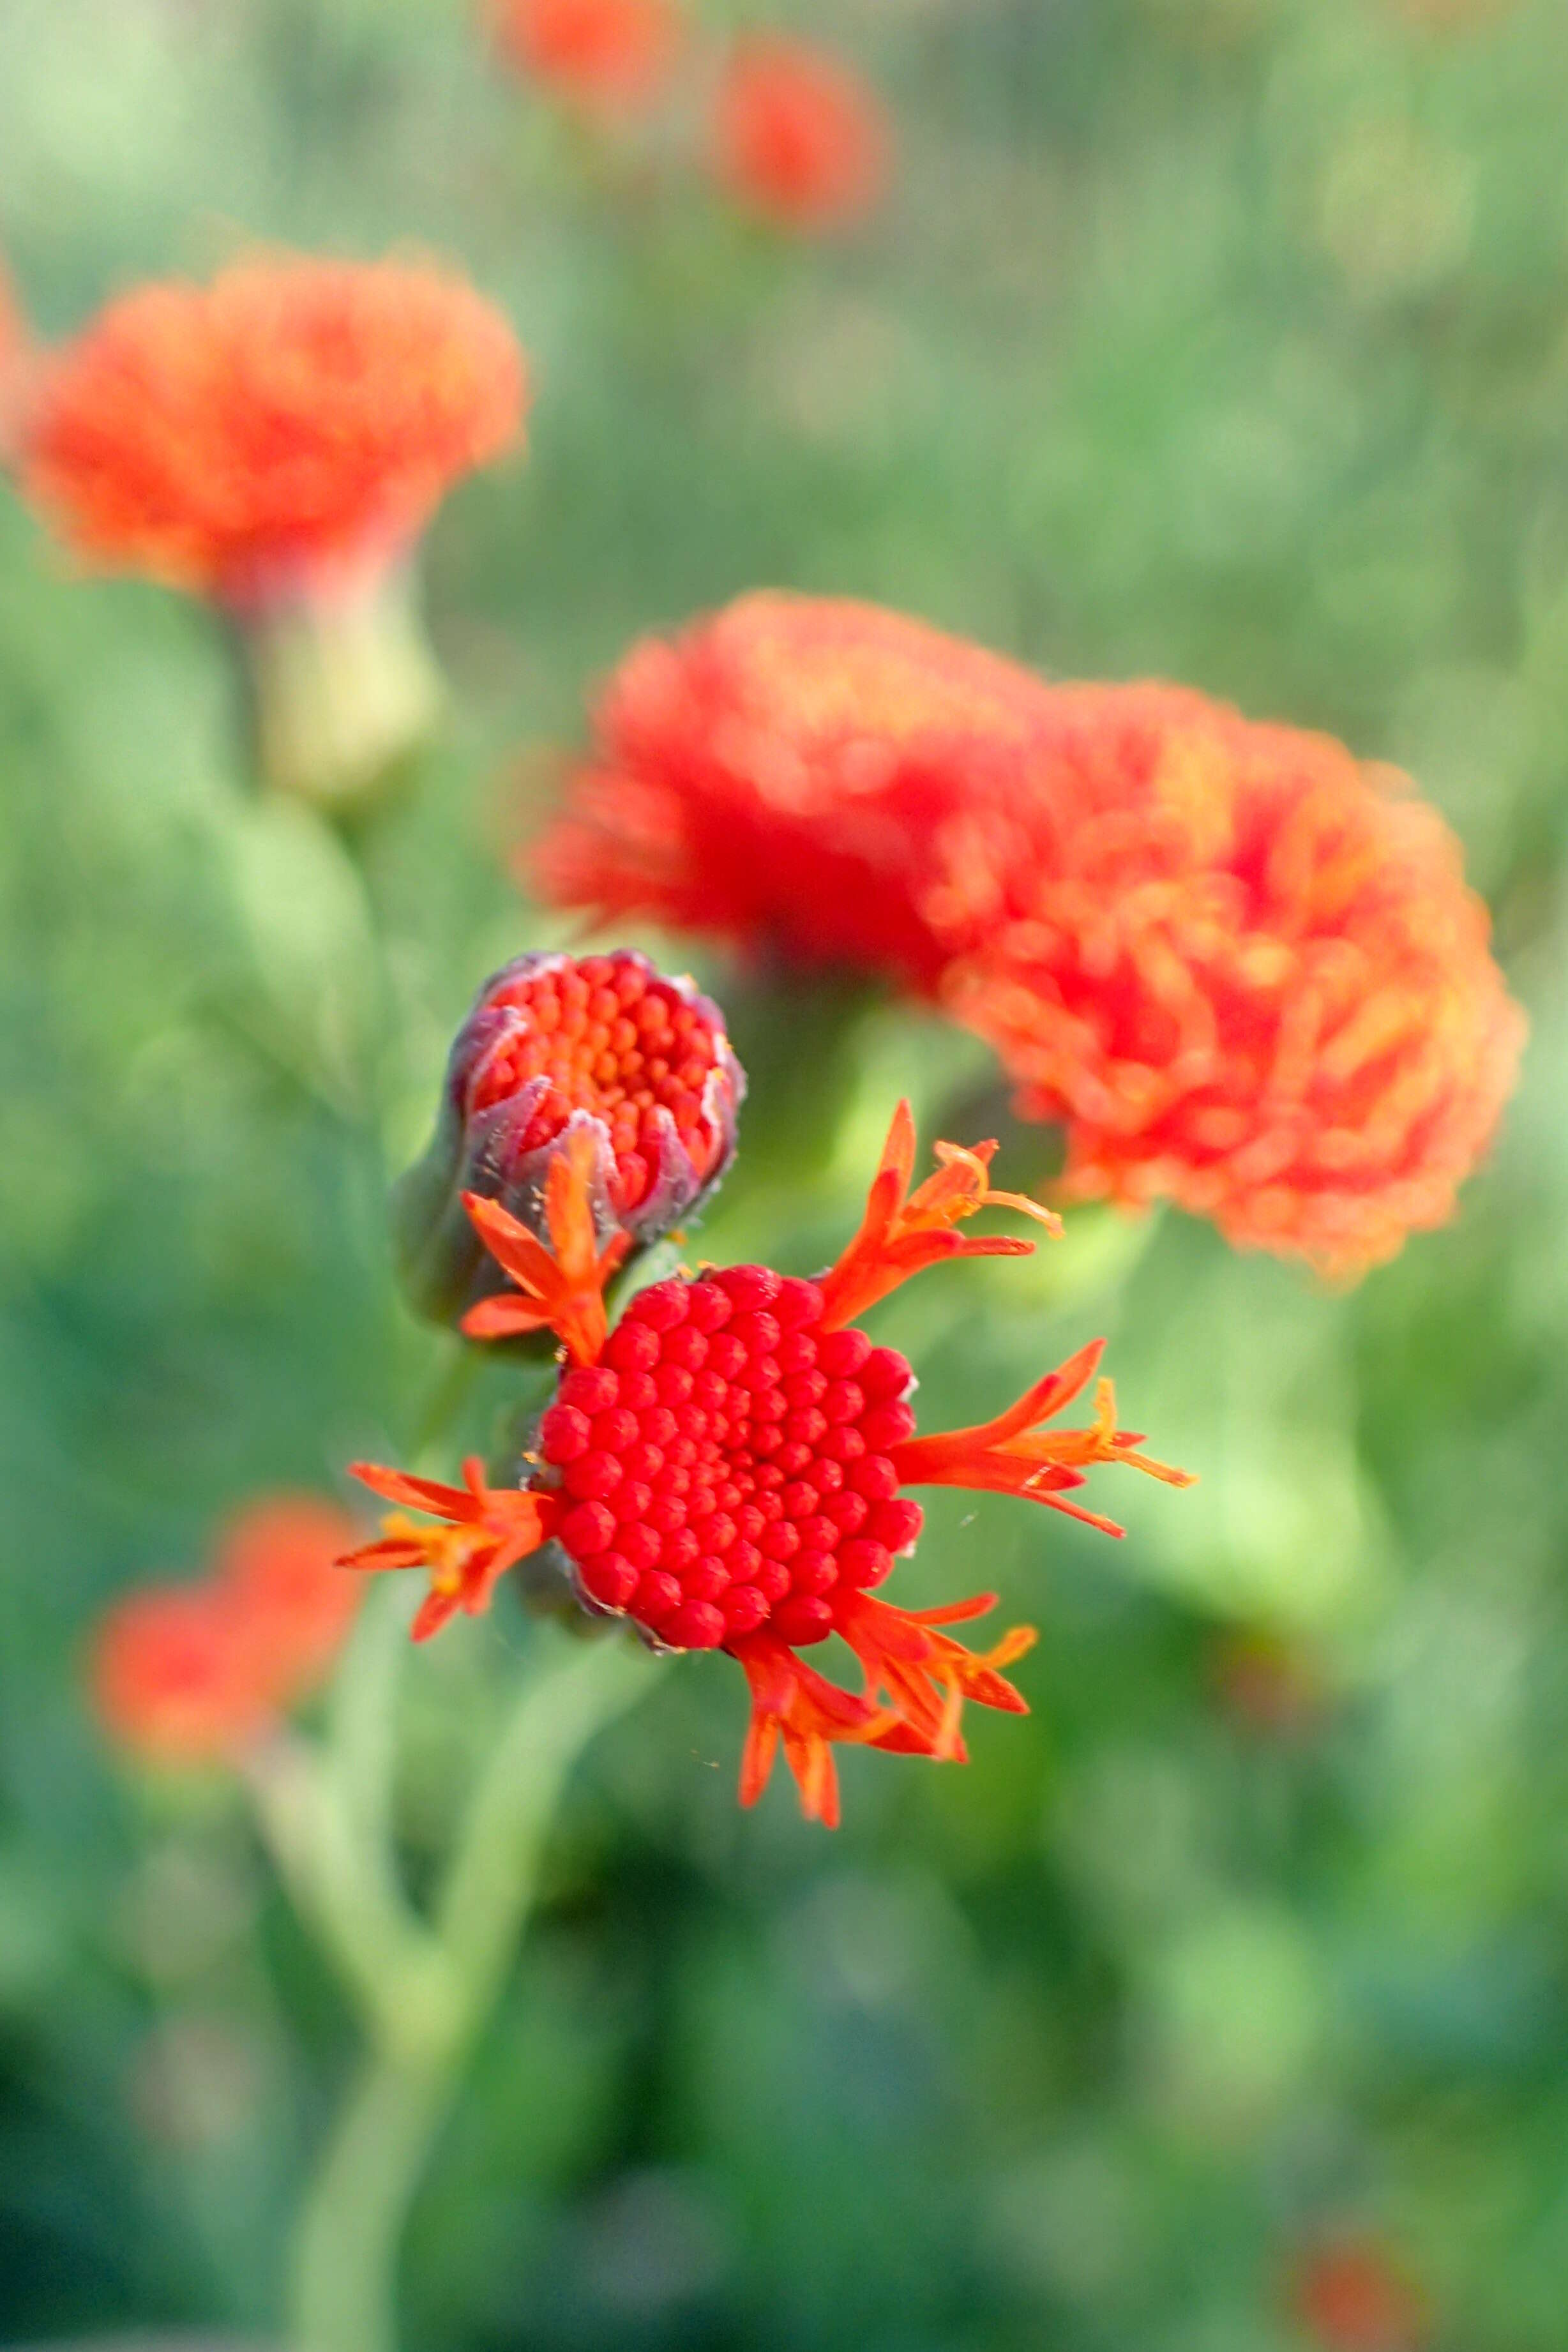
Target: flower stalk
425, 1987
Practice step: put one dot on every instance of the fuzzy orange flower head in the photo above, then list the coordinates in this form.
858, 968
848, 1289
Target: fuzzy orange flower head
1350, 2296
195, 1674
798, 138
601, 1052
277, 441
610, 58
1242, 968
782, 774
725, 1467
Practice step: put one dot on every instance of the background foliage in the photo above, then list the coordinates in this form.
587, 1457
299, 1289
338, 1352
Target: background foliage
1221, 339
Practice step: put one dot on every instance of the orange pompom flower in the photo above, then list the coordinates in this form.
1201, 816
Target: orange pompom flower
195, 1674
1243, 968
277, 441
752, 781
601, 1048
724, 1464
798, 137
610, 57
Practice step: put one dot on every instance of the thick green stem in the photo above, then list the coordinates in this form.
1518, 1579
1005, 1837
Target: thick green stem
346, 2250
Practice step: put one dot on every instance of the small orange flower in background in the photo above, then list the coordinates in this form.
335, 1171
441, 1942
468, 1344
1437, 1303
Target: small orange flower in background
1350, 2296
194, 1674
1241, 968
798, 137
295, 414
610, 58
748, 781
277, 441
724, 1464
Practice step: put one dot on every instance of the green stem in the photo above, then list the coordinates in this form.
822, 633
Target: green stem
346, 2249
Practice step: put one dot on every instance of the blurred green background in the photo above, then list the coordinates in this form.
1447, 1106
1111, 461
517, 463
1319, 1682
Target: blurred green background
1225, 340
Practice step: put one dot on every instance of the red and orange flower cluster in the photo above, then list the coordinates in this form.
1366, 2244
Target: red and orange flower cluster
794, 134
1241, 968
725, 1463
195, 1674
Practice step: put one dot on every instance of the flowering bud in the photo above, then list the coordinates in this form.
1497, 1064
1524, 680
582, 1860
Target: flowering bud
557, 1045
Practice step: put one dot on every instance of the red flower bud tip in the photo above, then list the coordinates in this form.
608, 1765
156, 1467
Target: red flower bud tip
798, 137
723, 1466
603, 1048
610, 57
185, 1675
1351, 2296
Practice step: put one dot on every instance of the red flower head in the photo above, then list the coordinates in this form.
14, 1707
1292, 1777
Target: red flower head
798, 137
754, 779
609, 56
1244, 968
195, 1674
294, 414
602, 1048
1351, 2296
724, 1466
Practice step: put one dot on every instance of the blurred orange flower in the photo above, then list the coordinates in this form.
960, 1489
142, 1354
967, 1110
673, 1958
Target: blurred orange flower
1351, 2296
194, 1673
610, 57
296, 415
752, 780
799, 136
1242, 968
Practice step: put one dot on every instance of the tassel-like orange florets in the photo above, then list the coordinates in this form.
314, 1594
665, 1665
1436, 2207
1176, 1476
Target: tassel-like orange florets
296, 413
724, 1466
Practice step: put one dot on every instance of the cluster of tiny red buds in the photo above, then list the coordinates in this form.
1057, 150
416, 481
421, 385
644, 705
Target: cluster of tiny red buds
605, 1047
725, 1465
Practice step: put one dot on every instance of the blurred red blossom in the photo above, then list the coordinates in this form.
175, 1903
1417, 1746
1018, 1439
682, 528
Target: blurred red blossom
1352, 2296
610, 57
1240, 966
194, 1674
799, 136
748, 781
297, 415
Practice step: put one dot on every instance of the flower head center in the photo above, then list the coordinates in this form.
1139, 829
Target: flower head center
727, 1464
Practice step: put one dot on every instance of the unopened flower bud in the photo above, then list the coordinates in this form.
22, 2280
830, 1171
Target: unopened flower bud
555, 1045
